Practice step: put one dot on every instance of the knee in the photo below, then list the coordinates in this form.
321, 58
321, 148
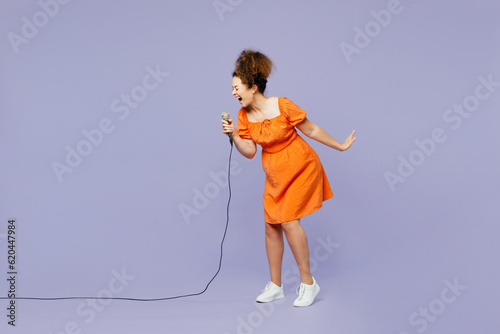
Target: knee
273, 230
290, 226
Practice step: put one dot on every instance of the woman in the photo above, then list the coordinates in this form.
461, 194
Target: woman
296, 184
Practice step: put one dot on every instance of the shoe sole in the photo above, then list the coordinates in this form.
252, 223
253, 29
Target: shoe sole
270, 300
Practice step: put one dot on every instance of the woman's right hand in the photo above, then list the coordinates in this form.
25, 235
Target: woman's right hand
228, 127
245, 146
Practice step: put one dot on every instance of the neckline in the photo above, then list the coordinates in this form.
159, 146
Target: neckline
266, 119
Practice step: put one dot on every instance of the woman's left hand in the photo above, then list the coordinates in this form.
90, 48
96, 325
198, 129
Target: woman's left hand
348, 142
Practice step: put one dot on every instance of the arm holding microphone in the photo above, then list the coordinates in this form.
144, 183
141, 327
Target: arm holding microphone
246, 147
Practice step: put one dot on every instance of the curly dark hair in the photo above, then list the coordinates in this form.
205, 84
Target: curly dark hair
253, 68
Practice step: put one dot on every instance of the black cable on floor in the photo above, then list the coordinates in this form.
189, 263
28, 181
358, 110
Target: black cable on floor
162, 298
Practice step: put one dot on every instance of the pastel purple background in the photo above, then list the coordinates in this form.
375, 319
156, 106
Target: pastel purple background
120, 209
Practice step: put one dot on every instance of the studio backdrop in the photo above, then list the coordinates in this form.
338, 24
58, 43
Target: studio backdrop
113, 162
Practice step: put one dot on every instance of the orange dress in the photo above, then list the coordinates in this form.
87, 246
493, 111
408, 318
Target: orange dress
296, 183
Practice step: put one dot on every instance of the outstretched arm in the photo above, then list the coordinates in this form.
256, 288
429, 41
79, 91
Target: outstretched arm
313, 131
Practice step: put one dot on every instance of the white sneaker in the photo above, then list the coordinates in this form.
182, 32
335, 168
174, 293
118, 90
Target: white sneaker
270, 293
306, 293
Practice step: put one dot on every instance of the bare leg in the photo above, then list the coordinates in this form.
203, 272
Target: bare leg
297, 239
274, 248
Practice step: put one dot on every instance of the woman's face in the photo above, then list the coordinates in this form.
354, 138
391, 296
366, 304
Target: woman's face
242, 92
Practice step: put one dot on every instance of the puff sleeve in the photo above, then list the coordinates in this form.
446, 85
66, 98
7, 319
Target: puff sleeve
242, 126
292, 112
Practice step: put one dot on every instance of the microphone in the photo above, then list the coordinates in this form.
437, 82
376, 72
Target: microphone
225, 116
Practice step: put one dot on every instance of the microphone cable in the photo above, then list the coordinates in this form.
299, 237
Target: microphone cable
162, 298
